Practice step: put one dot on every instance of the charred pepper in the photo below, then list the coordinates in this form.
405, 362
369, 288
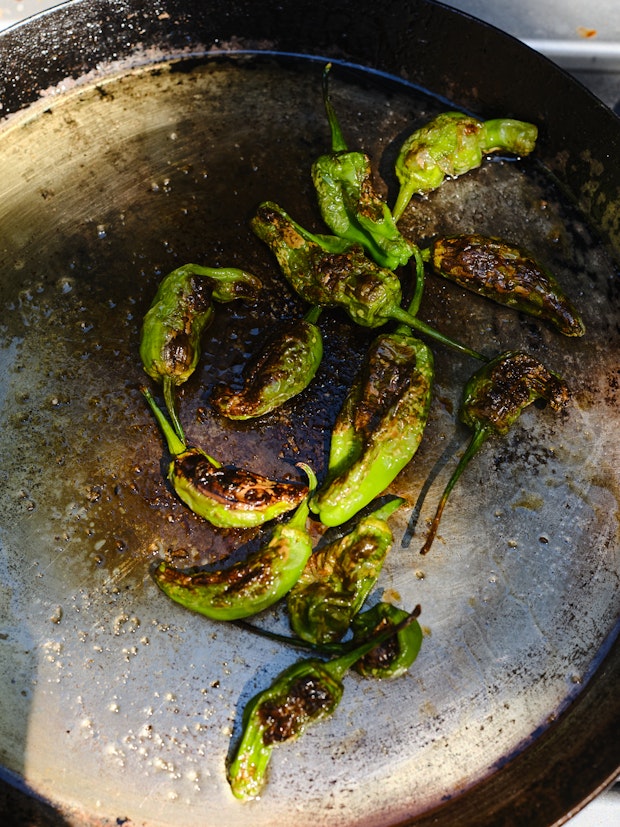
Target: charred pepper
507, 275
451, 144
348, 201
493, 400
179, 314
331, 272
251, 585
393, 657
226, 496
338, 578
379, 426
285, 367
304, 693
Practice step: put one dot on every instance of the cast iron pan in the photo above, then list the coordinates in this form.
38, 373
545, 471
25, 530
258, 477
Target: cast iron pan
138, 137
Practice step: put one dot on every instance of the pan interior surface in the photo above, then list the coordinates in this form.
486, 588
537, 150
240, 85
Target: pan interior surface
123, 704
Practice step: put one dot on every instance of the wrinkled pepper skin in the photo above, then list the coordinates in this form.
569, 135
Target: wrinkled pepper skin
338, 578
249, 586
348, 202
305, 693
379, 427
394, 657
179, 314
452, 144
507, 275
283, 369
331, 272
493, 399
226, 496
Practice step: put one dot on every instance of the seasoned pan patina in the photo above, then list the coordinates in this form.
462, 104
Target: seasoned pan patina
120, 704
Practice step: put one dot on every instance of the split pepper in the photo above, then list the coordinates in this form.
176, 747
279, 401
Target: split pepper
379, 426
226, 496
338, 578
304, 693
331, 272
451, 144
179, 314
251, 585
286, 366
393, 657
348, 202
493, 400
505, 274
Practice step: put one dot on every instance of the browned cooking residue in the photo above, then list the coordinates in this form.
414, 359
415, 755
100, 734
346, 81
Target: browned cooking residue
583, 31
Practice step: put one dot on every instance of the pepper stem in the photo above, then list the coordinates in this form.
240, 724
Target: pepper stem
338, 142
176, 445
478, 439
312, 316
170, 400
405, 194
400, 315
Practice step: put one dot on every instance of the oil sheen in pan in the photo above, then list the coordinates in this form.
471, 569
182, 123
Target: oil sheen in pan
120, 701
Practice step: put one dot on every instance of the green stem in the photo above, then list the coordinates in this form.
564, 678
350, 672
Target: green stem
176, 445
480, 436
312, 316
400, 315
170, 400
338, 142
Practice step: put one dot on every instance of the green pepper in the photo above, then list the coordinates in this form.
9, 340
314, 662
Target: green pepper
248, 586
394, 657
331, 272
226, 496
451, 144
493, 400
379, 426
304, 693
505, 274
348, 202
338, 578
180, 312
286, 366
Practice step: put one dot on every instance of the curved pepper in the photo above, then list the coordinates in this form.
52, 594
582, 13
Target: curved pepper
348, 202
505, 274
251, 585
226, 496
179, 313
338, 578
493, 400
283, 369
379, 427
394, 657
304, 693
331, 272
451, 144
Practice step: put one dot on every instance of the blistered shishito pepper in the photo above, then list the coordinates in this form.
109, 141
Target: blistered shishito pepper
338, 578
348, 202
248, 586
394, 657
507, 275
226, 496
331, 272
493, 400
179, 314
306, 692
283, 368
379, 426
451, 144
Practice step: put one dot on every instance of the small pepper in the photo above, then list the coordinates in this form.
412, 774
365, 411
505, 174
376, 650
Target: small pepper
394, 657
331, 272
505, 274
251, 585
179, 314
451, 144
348, 202
304, 693
493, 400
285, 367
338, 578
379, 426
226, 496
